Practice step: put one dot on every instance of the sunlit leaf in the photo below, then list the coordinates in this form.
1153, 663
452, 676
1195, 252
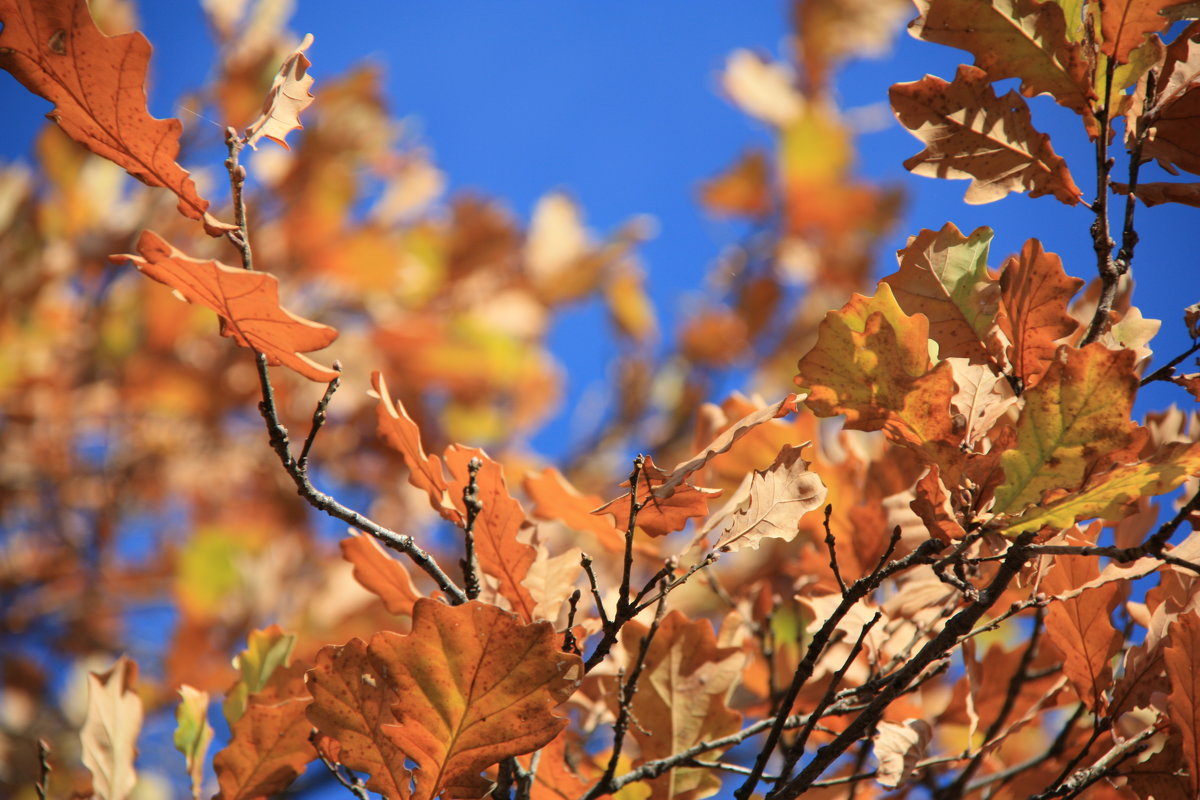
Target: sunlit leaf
778, 497
1081, 627
1182, 659
1035, 293
268, 750
193, 734
380, 573
287, 97
898, 746
110, 730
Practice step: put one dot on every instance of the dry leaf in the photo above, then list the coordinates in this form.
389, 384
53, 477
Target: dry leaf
288, 96
779, 496
110, 730
380, 573
898, 747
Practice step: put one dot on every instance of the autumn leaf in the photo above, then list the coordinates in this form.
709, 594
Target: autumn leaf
288, 96
110, 730
1081, 627
898, 746
269, 748
352, 700
981, 396
1182, 659
1075, 422
742, 190
944, 276
380, 574
1023, 39
500, 553
761, 88
551, 579
871, 362
1173, 137
555, 498
267, 651
970, 133
1155, 194
1035, 293
1107, 495
193, 734
473, 685
667, 501
682, 698
97, 85
779, 496
931, 503
247, 303
1124, 24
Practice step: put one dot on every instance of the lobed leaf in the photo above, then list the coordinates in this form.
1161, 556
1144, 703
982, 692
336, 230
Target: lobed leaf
1081, 627
288, 96
269, 748
898, 746
247, 303
969, 133
380, 574
667, 502
97, 85
778, 497
1182, 659
110, 730
1035, 293
1125, 24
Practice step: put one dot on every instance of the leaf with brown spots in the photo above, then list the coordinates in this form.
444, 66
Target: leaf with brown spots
97, 85
969, 133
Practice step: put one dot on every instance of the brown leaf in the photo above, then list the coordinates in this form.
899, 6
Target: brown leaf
380, 573
1155, 194
981, 396
667, 503
352, 700
898, 747
555, 498
110, 730
681, 699
1035, 293
288, 96
742, 190
779, 496
247, 303
268, 749
1023, 39
425, 472
1125, 24
501, 554
932, 504
1081, 627
1182, 659
970, 133
472, 686
97, 86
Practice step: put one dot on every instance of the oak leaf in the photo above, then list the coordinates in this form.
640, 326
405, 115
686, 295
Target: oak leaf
110, 729
742, 190
351, 701
1081, 627
1075, 423
681, 700
1182, 659
970, 133
97, 86
1023, 39
1155, 194
550, 580
981, 396
1173, 138
193, 734
555, 498
944, 276
931, 502
247, 303
425, 471
898, 746
1124, 24
473, 685
380, 574
500, 552
667, 502
269, 748
267, 651
288, 96
1035, 292
779, 496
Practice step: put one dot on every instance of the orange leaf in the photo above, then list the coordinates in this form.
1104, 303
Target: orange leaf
554, 498
397, 428
742, 190
500, 553
1081, 627
1035, 292
472, 686
247, 303
932, 505
352, 700
268, 749
681, 698
666, 506
380, 573
970, 133
555, 780
1182, 659
1125, 24
110, 730
287, 97
97, 86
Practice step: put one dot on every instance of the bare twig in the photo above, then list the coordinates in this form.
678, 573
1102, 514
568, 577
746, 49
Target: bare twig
473, 505
829, 543
278, 434
1167, 371
569, 643
1102, 242
1104, 766
44, 769
318, 419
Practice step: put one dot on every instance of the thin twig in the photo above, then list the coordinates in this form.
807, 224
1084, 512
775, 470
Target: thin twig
44, 769
318, 419
1167, 371
1104, 766
473, 506
569, 643
829, 543
1102, 242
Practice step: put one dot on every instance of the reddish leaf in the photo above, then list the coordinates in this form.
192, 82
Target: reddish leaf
247, 303
555, 780
97, 86
497, 547
554, 498
666, 506
1035, 293
970, 133
288, 96
380, 573
1155, 194
352, 700
1173, 141
1182, 659
268, 749
932, 505
110, 730
1125, 24
1081, 627
472, 686
397, 428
